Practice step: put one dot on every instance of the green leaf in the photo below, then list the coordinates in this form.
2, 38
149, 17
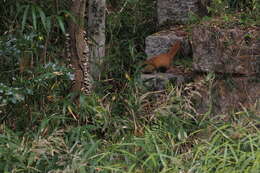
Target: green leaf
19, 8
25, 16
43, 17
48, 24
61, 24
34, 18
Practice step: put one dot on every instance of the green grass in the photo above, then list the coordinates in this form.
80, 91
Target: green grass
168, 139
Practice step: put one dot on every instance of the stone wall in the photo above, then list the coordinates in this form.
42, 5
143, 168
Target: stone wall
231, 50
177, 11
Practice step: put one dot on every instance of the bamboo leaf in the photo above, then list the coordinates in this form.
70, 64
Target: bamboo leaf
34, 18
19, 8
43, 17
61, 24
25, 14
48, 24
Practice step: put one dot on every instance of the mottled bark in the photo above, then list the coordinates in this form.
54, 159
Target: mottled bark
96, 32
79, 48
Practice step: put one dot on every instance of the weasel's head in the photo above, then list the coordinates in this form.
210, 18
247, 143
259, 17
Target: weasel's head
175, 47
177, 44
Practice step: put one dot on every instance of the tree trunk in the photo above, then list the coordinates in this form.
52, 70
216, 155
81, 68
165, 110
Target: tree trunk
96, 32
79, 49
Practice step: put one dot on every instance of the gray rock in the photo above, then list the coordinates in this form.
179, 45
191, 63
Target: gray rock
227, 95
177, 11
159, 81
235, 50
160, 42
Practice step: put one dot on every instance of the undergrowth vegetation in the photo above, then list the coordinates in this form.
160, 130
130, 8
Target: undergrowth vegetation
122, 127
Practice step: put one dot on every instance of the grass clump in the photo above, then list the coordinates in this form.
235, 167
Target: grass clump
171, 142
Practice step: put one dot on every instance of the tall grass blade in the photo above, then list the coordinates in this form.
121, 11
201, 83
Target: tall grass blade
43, 17
25, 14
61, 24
34, 18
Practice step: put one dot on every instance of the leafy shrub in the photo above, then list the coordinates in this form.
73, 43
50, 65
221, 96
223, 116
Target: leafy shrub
220, 7
127, 26
40, 90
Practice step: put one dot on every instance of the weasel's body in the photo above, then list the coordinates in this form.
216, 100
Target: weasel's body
163, 60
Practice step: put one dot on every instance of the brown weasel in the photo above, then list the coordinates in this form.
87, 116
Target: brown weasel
163, 60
